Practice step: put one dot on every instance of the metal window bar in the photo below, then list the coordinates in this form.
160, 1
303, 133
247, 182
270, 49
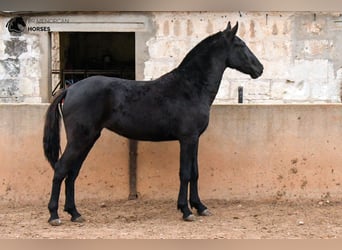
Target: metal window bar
81, 74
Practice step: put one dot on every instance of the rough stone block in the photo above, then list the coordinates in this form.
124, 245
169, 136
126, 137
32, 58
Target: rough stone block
26, 87
311, 69
9, 88
278, 89
322, 90
295, 91
317, 47
258, 90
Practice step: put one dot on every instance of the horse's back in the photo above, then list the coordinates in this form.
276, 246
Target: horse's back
93, 89
102, 101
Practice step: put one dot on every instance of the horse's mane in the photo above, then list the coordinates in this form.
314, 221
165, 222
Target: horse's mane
201, 48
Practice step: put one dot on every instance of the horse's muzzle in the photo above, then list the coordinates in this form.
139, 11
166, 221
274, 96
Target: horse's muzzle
257, 71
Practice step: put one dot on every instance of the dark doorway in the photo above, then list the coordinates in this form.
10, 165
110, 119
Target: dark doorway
83, 54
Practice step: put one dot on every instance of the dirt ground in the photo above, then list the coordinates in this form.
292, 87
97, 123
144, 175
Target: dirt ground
158, 219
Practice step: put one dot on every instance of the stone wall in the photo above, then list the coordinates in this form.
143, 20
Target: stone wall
20, 66
301, 52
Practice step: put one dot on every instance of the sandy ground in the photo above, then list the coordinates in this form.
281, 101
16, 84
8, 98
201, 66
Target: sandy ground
158, 219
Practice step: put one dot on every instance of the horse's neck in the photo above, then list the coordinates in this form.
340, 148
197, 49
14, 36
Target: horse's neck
205, 72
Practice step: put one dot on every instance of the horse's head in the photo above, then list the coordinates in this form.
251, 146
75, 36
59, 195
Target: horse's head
240, 57
16, 24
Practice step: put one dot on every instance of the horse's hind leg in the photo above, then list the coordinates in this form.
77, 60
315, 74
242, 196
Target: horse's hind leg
59, 175
68, 166
70, 206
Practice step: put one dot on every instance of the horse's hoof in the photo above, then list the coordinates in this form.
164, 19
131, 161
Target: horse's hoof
55, 222
190, 218
79, 219
205, 212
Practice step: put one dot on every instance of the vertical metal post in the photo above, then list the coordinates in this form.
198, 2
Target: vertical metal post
133, 155
240, 94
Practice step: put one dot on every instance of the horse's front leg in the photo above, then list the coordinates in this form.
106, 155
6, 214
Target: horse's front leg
195, 200
188, 150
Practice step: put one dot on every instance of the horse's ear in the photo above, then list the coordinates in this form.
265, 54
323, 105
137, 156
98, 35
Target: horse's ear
229, 32
235, 28
229, 27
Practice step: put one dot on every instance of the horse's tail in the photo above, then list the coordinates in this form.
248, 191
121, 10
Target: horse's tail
51, 138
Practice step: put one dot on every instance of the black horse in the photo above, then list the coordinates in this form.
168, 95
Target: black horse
175, 106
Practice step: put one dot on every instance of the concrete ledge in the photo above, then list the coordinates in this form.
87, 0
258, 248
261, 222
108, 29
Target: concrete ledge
248, 152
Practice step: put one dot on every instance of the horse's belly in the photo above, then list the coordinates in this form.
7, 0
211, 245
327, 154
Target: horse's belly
142, 133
